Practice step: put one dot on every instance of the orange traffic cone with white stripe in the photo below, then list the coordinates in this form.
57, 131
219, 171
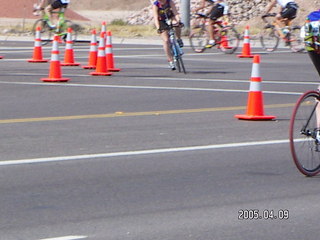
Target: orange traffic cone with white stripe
37, 50
101, 68
55, 67
109, 54
103, 27
69, 53
93, 53
246, 49
255, 109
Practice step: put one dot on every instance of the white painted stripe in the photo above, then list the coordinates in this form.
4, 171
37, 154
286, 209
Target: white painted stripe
139, 152
255, 86
65, 238
145, 87
255, 70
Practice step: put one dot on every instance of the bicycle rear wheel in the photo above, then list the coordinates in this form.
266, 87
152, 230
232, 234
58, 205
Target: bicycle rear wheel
295, 40
305, 149
46, 33
198, 40
75, 30
269, 39
229, 41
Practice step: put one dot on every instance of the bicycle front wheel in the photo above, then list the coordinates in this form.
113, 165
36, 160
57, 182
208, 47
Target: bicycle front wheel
198, 40
295, 40
269, 39
229, 41
305, 149
46, 33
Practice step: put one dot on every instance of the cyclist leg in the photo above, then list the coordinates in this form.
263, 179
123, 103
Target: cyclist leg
166, 43
216, 12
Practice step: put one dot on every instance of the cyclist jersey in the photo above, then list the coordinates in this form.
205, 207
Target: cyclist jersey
312, 32
283, 3
164, 10
65, 1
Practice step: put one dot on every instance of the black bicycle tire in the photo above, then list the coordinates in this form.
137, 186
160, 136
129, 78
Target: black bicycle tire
181, 63
46, 33
296, 42
230, 50
199, 47
263, 39
312, 96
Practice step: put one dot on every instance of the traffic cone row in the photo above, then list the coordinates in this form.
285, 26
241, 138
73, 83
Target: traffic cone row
102, 60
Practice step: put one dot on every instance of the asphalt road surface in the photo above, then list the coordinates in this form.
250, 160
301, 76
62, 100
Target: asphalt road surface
151, 154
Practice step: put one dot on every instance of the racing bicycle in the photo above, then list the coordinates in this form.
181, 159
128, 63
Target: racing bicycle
227, 38
304, 133
271, 34
47, 32
176, 50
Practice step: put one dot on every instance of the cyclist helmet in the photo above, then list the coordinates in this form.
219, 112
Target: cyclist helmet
312, 32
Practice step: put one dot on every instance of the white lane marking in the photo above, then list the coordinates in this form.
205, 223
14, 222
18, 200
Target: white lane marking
226, 80
146, 87
138, 152
66, 238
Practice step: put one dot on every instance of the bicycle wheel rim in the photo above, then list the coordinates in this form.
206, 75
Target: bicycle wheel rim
296, 42
198, 40
304, 148
230, 40
269, 40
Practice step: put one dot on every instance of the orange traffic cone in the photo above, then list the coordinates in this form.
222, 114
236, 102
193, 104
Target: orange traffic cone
103, 27
109, 54
255, 98
93, 52
69, 53
101, 68
225, 43
37, 50
55, 68
246, 49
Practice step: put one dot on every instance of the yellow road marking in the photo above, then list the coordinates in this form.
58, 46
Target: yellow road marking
131, 114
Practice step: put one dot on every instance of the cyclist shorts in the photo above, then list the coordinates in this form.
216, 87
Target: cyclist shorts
289, 11
58, 4
163, 26
216, 12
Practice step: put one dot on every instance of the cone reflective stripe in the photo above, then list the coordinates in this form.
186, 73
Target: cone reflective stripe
246, 49
101, 68
109, 54
55, 68
255, 109
93, 52
103, 28
37, 50
69, 53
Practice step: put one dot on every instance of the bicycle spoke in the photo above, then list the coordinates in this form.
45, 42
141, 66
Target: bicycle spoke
305, 148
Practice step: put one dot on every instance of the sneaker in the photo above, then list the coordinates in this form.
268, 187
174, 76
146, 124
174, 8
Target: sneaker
180, 42
210, 44
172, 66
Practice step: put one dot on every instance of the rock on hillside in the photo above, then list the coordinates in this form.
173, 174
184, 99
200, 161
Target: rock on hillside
241, 10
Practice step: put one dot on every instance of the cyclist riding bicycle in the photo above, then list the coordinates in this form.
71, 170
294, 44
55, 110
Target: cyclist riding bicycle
312, 43
219, 8
288, 12
163, 9
49, 5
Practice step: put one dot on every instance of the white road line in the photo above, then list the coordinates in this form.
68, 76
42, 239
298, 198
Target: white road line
146, 87
138, 152
66, 238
